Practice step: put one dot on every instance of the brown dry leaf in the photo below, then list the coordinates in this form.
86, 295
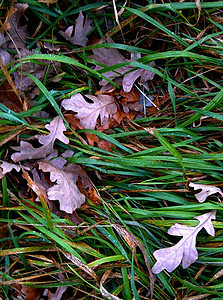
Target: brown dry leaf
65, 190
185, 250
31, 293
102, 144
80, 31
88, 113
42, 184
27, 151
16, 32
9, 98
130, 97
206, 190
110, 57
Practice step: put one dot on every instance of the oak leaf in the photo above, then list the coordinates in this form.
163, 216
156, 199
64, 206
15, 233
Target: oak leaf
80, 31
27, 151
7, 167
65, 178
206, 190
110, 57
88, 113
185, 250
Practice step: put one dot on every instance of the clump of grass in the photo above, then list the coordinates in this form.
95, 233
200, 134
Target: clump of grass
143, 182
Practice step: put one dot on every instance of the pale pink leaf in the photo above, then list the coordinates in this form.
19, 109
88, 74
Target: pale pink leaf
80, 31
27, 151
185, 250
65, 189
7, 167
130, 78
206, 190
103, 106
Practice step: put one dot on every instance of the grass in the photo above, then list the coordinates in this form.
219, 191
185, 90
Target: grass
143, 181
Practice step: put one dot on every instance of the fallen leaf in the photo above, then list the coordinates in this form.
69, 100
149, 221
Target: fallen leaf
206, 190
3, 39
88, 113
110, 57
185, 250
42, 184
31, 293
130, 78
17, 33
5, 56
65, 189
27, 151
9, 98
80, 31
7, 167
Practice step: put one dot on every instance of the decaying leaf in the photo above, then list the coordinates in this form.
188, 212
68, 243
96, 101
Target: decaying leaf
16, 32
206, 190
80, 31
65, 190
30, 293
111, 57
27, 151
185, 250
6, 167
42, 184
9, 97
88, 113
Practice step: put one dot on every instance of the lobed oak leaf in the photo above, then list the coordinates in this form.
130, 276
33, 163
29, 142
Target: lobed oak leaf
80, 31
65, 190
206, 190
7, 167
185, 250
27, 151
88, 113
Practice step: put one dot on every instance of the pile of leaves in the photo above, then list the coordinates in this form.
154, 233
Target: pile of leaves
111, 120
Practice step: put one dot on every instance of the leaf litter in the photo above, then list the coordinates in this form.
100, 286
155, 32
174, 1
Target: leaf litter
53, 176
